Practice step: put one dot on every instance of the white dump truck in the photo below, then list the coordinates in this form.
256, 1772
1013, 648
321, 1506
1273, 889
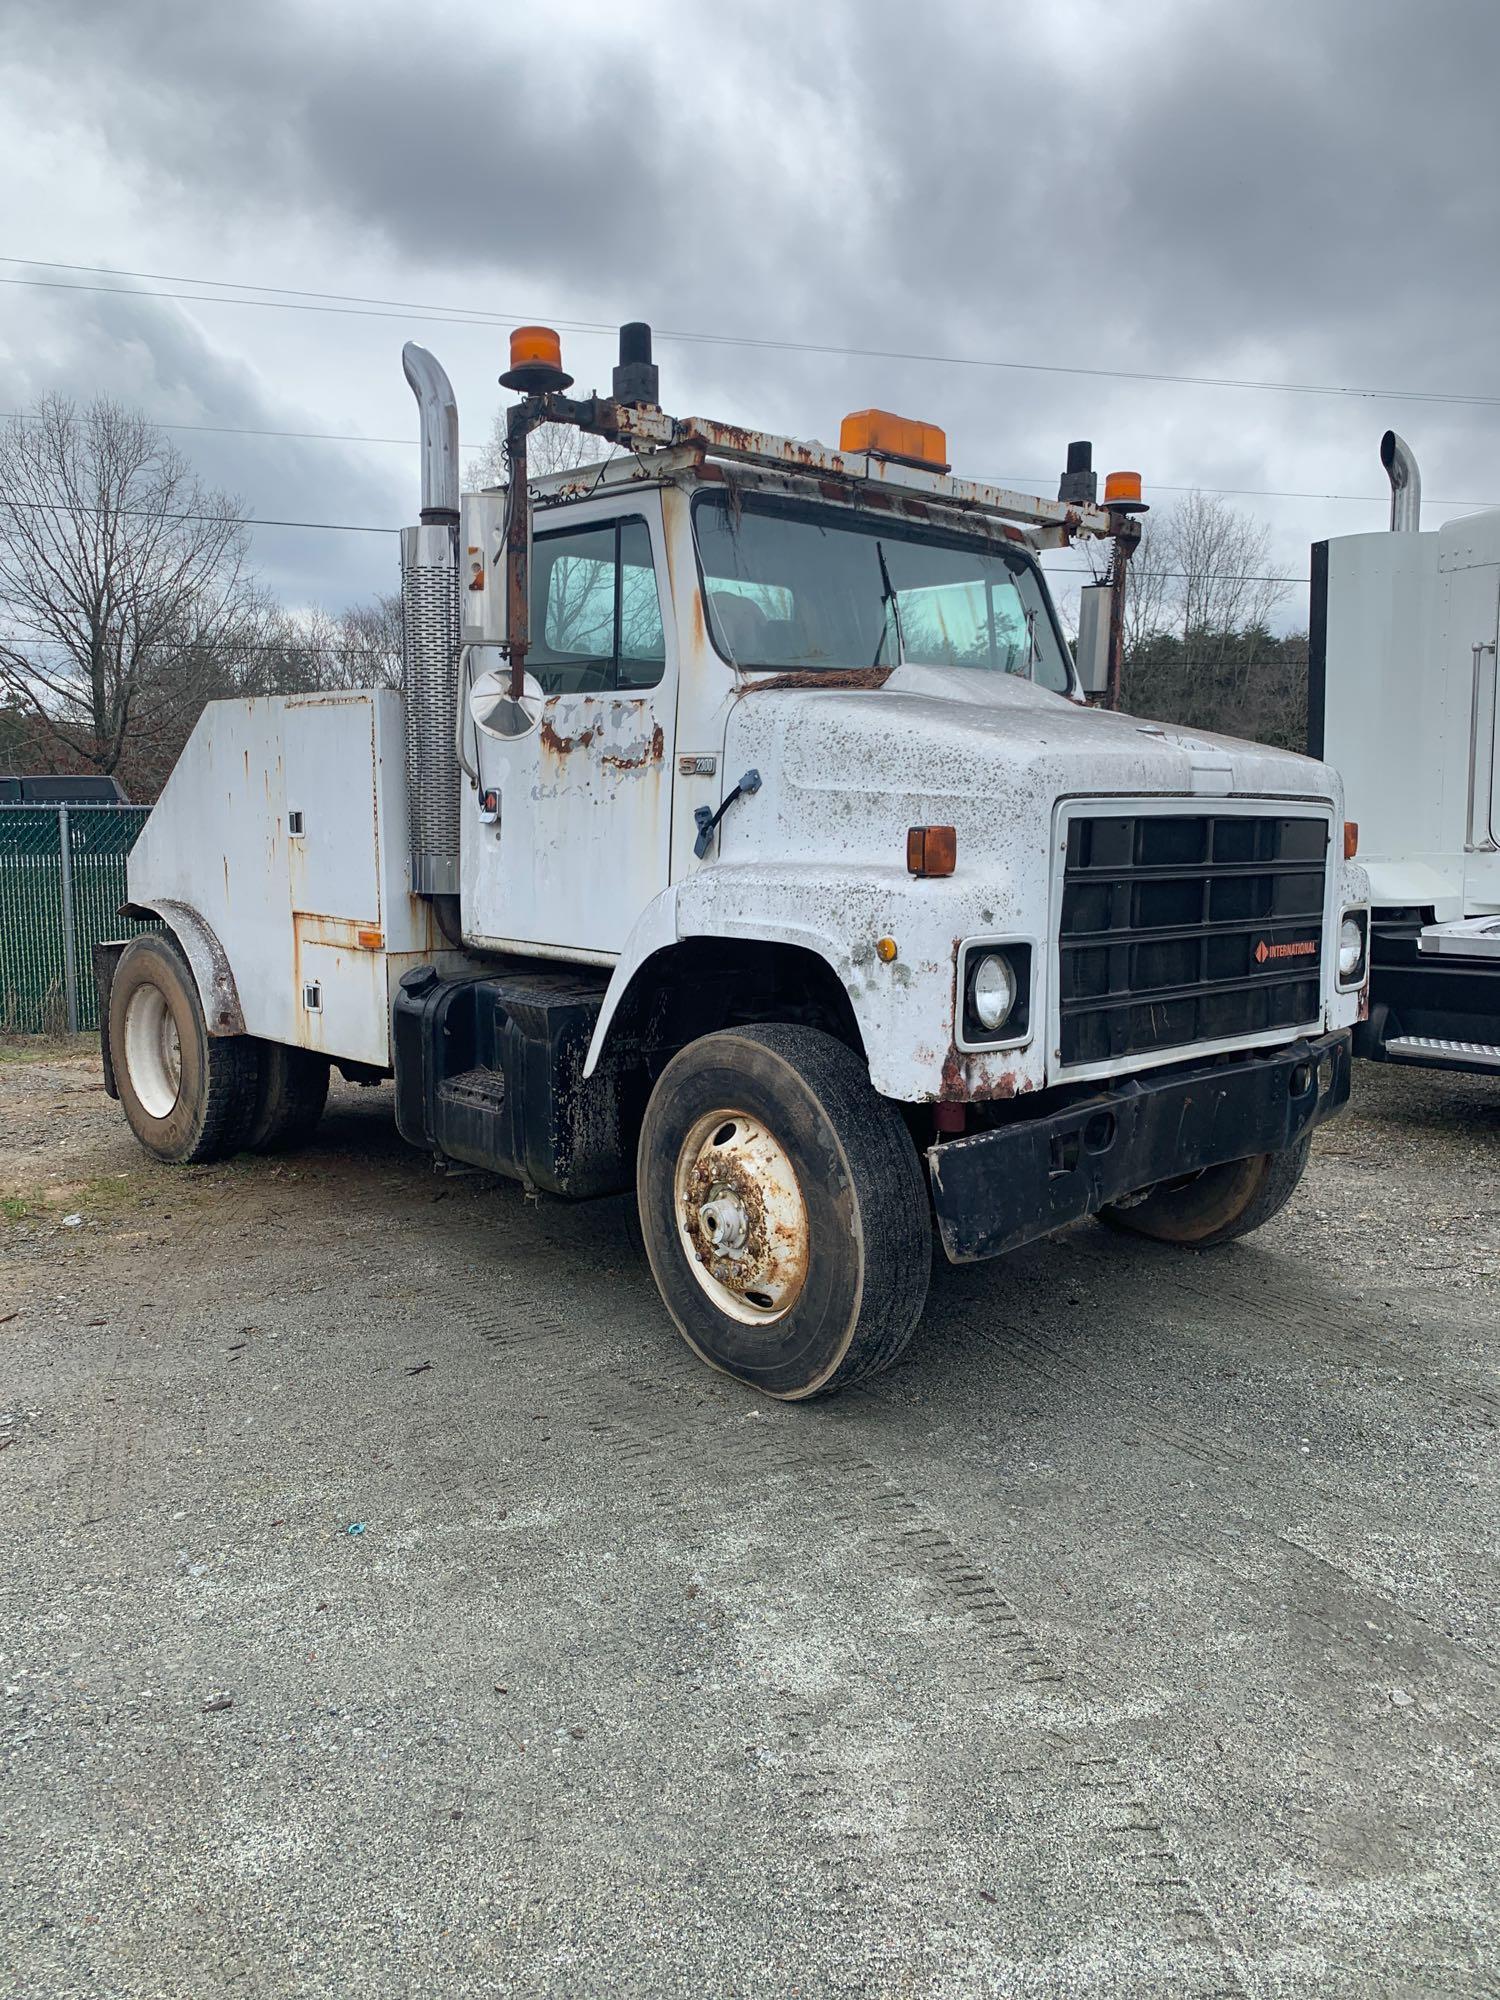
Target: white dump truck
1402, 698
744, 833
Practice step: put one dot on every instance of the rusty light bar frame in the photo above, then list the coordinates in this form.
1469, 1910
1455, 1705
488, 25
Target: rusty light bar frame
1049, 524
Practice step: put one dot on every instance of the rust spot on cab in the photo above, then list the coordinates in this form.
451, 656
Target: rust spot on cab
561, 746
824, 677
651, 753
969, 1079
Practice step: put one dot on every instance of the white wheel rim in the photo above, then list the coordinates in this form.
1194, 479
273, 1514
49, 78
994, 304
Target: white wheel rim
741, 1217
153, 1053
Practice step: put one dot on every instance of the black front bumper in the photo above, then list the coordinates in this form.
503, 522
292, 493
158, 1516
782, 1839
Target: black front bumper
999, 1189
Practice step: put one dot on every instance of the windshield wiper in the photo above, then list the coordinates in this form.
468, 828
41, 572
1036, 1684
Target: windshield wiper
888, 596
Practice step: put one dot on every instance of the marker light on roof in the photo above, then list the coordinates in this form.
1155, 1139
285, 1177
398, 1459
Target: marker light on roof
904, 439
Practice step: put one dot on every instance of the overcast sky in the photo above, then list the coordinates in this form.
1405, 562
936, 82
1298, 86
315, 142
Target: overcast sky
1300, 193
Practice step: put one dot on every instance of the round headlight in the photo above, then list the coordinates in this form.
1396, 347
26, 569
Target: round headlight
1351, 947
992, 992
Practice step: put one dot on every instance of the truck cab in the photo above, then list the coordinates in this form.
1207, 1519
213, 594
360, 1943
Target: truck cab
1402, 697
757, 844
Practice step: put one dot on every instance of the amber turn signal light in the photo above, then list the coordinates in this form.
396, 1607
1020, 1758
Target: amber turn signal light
931, 850
1351, 839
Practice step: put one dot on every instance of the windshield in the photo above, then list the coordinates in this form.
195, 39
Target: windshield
802, 588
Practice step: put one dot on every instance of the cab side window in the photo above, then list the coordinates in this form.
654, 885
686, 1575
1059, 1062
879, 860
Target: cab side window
595, 612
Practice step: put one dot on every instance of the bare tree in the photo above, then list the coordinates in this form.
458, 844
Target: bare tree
356, 648
553, 448
122, 581
1202, 566
1199, 647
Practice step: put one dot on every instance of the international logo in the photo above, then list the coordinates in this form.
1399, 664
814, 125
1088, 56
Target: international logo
1300, 948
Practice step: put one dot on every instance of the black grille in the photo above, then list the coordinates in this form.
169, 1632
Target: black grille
1188, 929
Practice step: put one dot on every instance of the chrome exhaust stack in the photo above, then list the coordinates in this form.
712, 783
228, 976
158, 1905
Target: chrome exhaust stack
1400, 463
430, 634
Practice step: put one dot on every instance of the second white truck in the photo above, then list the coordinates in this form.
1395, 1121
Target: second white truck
744, 833
1402, 697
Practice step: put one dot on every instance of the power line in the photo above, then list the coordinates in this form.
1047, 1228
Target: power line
290, 648
1179, 575
218, 520
248, 430
1015, 481
354, 304
372, 528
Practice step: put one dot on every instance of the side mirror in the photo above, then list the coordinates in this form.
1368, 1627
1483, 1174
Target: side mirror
493, 710
1091, 652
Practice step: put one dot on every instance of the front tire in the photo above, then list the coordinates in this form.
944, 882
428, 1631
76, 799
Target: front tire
187, 1095
1217, 1205
784, 1210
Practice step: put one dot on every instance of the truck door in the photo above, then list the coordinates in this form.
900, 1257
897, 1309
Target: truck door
578, 844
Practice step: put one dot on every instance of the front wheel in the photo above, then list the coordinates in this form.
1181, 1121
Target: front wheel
784, 1210
1216, 1205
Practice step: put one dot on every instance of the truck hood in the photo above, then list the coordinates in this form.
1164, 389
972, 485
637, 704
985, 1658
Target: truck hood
994, 741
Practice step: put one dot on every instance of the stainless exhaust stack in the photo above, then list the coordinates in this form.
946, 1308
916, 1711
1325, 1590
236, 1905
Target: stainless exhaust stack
1400, 463
430, 634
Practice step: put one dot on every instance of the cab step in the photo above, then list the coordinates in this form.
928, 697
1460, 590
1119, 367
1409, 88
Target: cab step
479, 1089
1443, 1054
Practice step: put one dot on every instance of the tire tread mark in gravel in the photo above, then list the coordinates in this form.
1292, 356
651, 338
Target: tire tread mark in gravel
115, 1424
1289, 1313
646, 1423
1121, 1407
909, 1539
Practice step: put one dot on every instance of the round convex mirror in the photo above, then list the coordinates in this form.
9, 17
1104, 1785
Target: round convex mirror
495, 710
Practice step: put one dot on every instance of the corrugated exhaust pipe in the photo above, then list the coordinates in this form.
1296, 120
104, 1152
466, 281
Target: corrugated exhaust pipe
430, 634
1400, 463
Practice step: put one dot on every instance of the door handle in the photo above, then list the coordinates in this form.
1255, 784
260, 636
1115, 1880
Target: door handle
707, 820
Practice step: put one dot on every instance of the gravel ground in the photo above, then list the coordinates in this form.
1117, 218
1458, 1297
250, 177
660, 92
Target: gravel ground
393, 1606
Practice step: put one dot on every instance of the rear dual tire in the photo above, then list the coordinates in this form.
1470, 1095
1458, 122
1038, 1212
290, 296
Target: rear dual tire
191, 1097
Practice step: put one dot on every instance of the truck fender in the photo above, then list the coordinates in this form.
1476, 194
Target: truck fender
207, 958
676, 914
654, 928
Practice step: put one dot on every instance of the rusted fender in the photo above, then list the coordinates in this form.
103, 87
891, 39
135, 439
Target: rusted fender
207, 958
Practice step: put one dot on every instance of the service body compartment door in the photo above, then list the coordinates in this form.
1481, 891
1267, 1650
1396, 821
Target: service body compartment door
583, 775
333, 830
333, 834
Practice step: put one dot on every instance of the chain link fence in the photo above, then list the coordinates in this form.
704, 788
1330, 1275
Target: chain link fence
62, 880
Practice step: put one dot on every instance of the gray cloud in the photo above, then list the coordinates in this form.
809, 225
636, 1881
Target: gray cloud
150, 357
1282, 191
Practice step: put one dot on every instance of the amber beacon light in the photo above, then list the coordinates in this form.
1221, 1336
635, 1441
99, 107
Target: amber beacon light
535, 362
905, 439
1122, 489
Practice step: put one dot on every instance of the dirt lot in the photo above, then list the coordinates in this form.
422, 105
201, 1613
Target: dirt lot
394, 1607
